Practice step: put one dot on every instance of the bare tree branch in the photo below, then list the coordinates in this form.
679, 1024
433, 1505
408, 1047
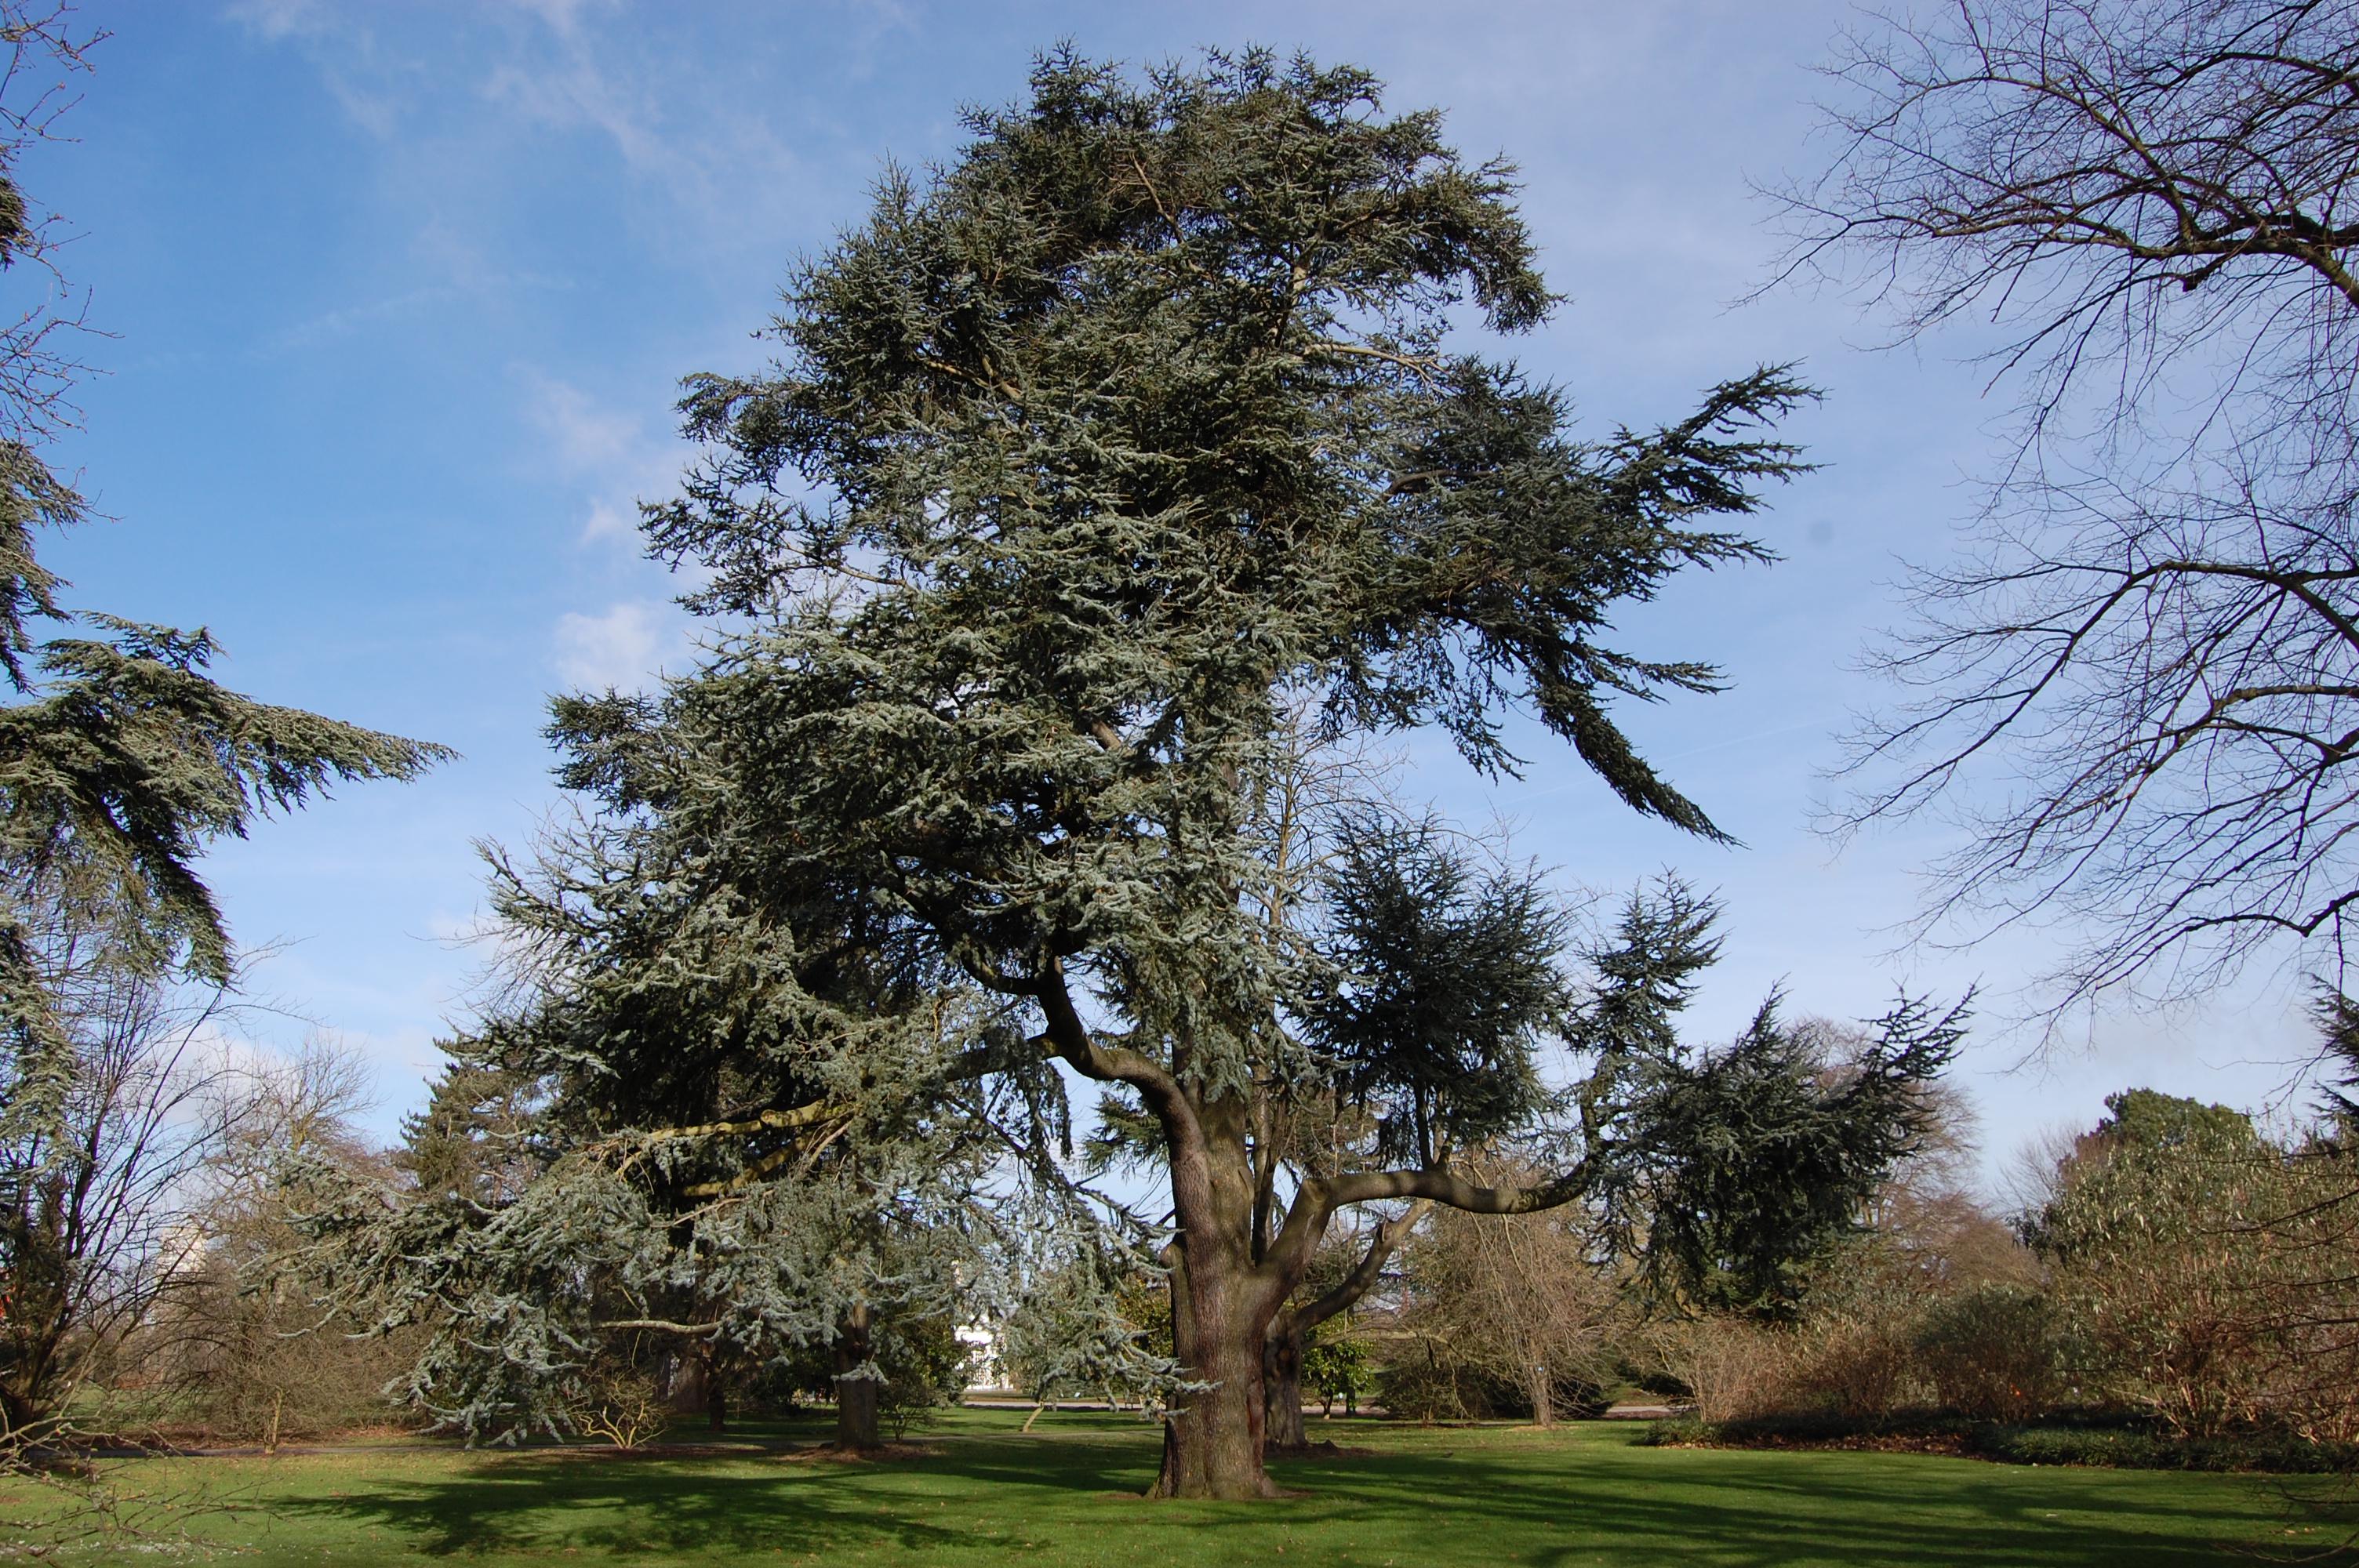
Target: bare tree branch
2138, 696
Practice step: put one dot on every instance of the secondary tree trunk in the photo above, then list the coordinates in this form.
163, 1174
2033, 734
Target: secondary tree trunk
1283, 1351
686, 1392
1281, 1374
855, 1397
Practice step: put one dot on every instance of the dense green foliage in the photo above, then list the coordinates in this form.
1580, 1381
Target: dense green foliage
1438, 978
1729, 1174
1135, 421
1337, 1370
2201, 1270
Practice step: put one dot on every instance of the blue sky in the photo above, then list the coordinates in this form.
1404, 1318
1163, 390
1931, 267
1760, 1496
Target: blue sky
399, 295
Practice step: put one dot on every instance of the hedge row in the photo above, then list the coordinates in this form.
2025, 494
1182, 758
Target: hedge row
2114, 1445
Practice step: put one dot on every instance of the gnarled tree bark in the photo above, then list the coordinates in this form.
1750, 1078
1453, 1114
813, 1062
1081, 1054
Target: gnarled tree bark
1225, 1292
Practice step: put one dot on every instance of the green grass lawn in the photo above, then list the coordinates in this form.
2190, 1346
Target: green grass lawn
1066, 1493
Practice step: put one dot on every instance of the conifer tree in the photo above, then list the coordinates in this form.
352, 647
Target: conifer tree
1083, 458
717, 1114
1727, 1174
1436, 981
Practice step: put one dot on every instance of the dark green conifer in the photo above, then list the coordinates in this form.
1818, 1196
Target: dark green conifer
1728, 1173
1083, 458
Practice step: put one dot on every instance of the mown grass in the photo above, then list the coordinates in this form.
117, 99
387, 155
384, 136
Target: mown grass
1066, 1493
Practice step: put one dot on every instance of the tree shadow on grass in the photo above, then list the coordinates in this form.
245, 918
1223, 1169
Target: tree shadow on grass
670, 1507
1555, 1503
1618, 1506
652, 1504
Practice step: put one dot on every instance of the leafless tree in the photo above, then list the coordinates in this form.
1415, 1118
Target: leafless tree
93, 1211
241, 1345
44, 52
1518, 1300
2138, 692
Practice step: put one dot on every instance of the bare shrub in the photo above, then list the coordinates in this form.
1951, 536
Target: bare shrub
1521, 1302
239, 1347
1870, 1332
1512, 1310
93, 1232
2310, 1306
1860, 1365
1992, 1352
1733, 1369
618, 1404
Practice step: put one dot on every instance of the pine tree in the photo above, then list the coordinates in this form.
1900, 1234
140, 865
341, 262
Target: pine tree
1727, 1173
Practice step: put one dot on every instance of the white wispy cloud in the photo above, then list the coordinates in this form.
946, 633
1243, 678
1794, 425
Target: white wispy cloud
331, 325
356, 71
280, 18
587, 436
470, 105
562, 16
617, 458
626, 646
694, 156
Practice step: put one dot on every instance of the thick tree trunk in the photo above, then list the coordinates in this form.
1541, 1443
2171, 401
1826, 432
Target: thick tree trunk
1211, 1442
855, 1397
1281, 1376
17, 1413
1229, 1281
1543, 1396
1219, 1313
686, 1392
716, 1399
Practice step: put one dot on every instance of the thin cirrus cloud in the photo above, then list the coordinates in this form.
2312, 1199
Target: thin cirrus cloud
479, 98
616, 456
333, 326
625, 647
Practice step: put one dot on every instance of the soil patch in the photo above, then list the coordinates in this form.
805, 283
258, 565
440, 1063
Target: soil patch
1329, 1449
828, 1453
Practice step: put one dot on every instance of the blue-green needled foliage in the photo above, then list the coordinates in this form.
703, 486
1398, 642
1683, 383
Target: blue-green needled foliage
1085, 460
1100, 471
